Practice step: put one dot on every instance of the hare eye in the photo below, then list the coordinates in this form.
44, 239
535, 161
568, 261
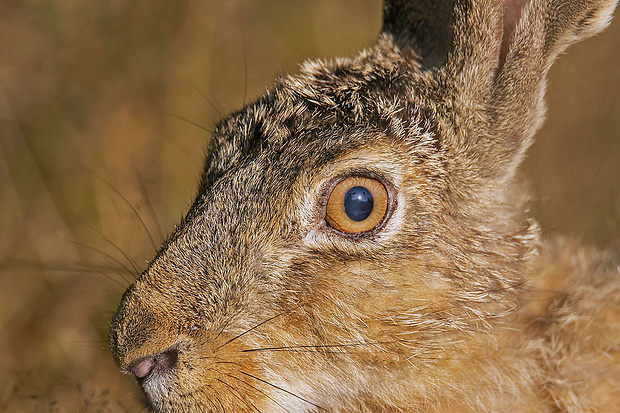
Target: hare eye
357, 204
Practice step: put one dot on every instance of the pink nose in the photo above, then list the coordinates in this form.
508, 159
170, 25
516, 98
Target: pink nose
143, 367
157, 364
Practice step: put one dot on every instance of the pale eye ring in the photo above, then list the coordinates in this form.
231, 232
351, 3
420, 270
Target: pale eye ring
357, 204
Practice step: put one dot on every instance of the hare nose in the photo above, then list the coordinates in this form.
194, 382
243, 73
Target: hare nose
157, 364
143, 367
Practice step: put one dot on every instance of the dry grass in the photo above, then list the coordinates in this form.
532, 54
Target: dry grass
105, 111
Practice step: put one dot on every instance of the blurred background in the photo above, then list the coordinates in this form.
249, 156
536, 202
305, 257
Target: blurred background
105, 112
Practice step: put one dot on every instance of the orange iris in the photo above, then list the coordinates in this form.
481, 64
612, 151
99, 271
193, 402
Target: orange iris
357, 204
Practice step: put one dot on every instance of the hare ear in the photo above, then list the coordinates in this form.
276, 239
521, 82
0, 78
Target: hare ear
424, 27
544, 29
446, 32
494, 55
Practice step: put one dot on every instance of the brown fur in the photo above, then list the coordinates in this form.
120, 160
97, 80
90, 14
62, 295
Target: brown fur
454, 304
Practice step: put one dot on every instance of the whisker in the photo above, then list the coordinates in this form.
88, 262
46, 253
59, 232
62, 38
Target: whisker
216, 398
149, 205
222, 329
116, 247
221, 405
87, 343
27, 265
102, 273
316, 347
255, 327
245, 69
126, 201
209, 101
258, 390
283, 390
209, 398
99, 269
235, 393
34, 265
198, 125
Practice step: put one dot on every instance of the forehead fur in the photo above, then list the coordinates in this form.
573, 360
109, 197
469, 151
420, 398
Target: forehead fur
328, 108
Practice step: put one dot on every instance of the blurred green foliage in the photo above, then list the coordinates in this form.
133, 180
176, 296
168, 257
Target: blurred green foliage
105, 112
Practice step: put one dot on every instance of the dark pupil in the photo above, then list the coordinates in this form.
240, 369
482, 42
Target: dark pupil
358, 203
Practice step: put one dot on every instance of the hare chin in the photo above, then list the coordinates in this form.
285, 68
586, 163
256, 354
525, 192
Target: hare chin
157, 387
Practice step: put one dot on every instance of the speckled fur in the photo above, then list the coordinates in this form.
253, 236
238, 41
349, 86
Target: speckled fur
455, 304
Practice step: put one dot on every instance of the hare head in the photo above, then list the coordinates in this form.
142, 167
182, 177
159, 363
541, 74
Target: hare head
359, 239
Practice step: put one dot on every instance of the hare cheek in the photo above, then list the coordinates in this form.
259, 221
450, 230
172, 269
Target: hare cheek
322, 389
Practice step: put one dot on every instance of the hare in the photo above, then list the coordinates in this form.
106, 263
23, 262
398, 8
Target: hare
360, 240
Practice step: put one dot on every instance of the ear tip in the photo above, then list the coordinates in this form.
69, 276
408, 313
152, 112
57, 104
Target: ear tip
597, 19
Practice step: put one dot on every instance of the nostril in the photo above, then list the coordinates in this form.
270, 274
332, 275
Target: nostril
168, 358
143, 367
161, 362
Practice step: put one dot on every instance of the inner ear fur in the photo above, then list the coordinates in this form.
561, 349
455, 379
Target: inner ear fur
423, 27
